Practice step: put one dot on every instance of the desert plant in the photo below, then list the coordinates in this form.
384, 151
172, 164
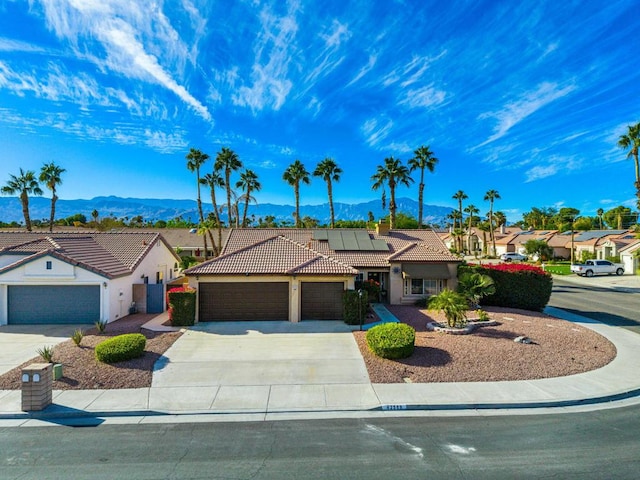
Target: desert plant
391, 340
121, 348
46, 353
77, 336
454, 306
101, 326
482, 315
475, 286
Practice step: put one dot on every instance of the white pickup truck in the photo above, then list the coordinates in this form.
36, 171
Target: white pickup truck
597, 267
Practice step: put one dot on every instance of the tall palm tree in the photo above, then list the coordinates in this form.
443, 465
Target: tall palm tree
214, 180
423, 159
293, 175
330, 172
227, 161
50, 176
460, 196
491, 196
631, 141
472, 210
393, 173
23, 185
600, 213
249, 183
195, 159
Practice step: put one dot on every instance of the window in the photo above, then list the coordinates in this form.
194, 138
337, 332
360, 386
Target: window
49, 265
423, 286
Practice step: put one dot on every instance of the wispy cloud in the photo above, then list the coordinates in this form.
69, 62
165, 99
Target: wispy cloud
516, 111
273, 49
424, 97
364, 70
538, 172
376, 130
133, 35
10, 45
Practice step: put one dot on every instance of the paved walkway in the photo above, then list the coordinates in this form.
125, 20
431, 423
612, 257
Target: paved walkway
615, 384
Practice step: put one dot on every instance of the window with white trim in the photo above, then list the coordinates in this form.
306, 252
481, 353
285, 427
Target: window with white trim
423, 286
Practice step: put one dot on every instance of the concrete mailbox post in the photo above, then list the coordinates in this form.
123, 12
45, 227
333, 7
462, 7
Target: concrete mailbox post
37, 386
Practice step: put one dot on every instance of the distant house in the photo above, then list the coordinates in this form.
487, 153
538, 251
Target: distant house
629, 257
80, 277
301, 274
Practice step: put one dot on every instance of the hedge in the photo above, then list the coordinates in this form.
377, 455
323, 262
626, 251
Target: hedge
351, 312
121, 348
391, 340
182, 306
517, 285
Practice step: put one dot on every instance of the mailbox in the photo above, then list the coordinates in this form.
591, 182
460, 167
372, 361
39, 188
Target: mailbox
37, 386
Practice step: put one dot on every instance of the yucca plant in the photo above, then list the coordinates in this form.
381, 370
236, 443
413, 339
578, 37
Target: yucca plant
77, 336
46, 353
101, 326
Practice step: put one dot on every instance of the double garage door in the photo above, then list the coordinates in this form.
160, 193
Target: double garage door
268, 301
53, 304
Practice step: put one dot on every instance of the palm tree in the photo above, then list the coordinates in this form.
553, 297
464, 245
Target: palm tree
330, 172
460, 196
393, 172
491, 196
50, 176
484, 227
293, 175
423, 159
23, 185
227, 161
500, 218
249, 183
600, 213
214, 180
195, 159
631, 141
472, 211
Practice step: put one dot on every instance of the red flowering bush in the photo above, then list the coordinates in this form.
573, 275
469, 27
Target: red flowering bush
182, 305
517, 285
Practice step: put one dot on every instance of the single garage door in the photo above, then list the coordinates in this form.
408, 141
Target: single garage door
322, 300
243, 301
48, 304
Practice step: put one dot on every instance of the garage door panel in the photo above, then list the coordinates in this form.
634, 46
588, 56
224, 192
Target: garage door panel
243, 301
322, 300
53, 304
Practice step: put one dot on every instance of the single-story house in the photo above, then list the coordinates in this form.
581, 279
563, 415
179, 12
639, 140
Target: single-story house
82, 277
629, 257
301, 274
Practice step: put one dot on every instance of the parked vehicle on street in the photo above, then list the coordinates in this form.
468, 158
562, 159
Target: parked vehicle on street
597, 267
511, 256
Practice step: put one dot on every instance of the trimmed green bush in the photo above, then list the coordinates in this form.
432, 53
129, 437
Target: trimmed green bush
182, 306
121, 348
391, 340
350, 310
517, 285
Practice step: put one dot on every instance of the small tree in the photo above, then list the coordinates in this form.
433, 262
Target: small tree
453, 305
539, 248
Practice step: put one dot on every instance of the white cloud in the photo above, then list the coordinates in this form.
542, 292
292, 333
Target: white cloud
268, 164
516, 111
10, 45
539, 172
376, 130
274, 48
365, 69
424, 97
134, 36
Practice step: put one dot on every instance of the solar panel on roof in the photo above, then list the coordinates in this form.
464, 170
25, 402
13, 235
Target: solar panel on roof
335, 240
380, 245
320, 235
349, 241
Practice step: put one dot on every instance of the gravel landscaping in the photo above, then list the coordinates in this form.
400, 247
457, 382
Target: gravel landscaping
559, 348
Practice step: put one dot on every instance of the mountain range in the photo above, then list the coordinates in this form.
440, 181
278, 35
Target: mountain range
166, 209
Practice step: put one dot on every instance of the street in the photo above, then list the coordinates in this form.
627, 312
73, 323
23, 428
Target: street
619, 307
603, 444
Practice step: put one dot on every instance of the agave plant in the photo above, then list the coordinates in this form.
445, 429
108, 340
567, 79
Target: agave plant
475, 286
454, 306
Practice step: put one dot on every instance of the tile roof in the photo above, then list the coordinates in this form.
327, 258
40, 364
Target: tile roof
272, 256
108, 254
270, 251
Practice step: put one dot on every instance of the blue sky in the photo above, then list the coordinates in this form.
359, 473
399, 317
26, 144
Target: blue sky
527, 98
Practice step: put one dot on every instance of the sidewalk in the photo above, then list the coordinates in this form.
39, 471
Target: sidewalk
613, 385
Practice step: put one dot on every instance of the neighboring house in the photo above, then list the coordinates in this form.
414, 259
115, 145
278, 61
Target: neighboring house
187, 242
475, 244
590, 240
82, 277
629, 257
611, 245
301, 274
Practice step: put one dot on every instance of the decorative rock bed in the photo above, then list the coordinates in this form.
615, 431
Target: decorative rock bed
469, 328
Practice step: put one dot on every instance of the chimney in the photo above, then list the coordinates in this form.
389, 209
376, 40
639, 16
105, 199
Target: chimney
502, 229
382, 227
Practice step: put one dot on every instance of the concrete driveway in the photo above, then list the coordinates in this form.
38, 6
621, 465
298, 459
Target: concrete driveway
19, 343
262, 353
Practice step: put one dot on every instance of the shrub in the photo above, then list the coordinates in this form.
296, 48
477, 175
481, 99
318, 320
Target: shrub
121, 348
391, 340
422, 302
77, 336
482, 316
101, 326
351, 312
517, 285
454, 306
182, 305
46, 353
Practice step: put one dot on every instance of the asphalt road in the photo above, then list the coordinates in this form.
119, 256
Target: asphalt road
619, 307
596, 445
